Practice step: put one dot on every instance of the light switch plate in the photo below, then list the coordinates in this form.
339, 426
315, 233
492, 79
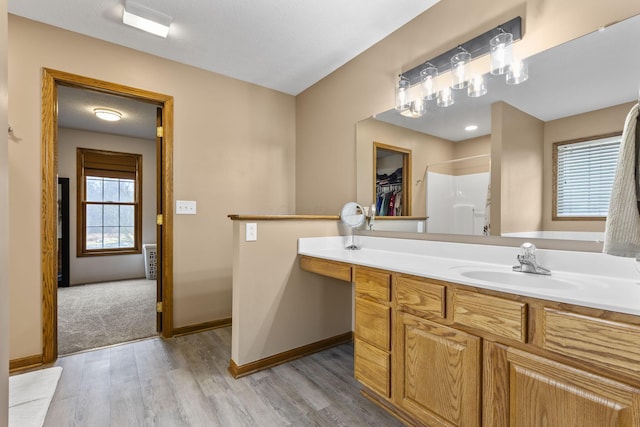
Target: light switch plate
185, 207
251, 232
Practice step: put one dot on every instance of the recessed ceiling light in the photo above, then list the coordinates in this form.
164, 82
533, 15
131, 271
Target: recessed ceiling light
471, 128
146, 19
108, 115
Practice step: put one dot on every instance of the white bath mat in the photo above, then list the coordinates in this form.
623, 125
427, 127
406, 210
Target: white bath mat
30, 395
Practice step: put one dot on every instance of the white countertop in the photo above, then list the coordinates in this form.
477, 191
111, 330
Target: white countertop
581, 278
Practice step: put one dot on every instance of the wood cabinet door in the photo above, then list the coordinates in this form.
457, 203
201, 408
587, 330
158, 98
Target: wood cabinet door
437, 372
546, 393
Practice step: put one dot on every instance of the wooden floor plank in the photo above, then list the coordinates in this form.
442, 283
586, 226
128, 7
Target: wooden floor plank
184, 382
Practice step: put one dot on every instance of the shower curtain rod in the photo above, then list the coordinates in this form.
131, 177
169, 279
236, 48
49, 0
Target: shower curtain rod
479, 156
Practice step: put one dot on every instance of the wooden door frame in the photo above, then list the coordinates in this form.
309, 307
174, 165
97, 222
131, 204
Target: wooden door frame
48, 221
407, 200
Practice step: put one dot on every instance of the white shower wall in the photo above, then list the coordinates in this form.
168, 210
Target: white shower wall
456, 204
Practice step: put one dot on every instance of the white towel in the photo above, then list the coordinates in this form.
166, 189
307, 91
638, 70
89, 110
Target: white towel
622, 232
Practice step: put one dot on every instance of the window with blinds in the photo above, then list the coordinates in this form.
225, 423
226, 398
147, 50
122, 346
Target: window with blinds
109, 202
583, 177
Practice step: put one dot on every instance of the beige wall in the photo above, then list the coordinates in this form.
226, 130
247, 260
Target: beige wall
234, 151
4, 225
327, 113
516, 153
472, 147
591, 124
276, 305
100, 269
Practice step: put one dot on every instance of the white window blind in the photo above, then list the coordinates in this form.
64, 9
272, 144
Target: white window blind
585, 172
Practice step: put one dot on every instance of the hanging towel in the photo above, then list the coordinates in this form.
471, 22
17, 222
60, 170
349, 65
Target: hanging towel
622, 230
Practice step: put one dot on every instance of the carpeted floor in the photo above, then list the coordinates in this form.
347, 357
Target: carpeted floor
96, 315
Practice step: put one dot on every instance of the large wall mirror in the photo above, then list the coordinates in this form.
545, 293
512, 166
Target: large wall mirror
496, 179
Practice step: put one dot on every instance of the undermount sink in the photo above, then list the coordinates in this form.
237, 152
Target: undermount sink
517, 279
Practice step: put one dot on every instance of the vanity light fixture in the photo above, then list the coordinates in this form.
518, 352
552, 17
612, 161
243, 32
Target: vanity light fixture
146, 19
445, 97
415, 110
428, 81
497, 41
459, 65
477, 86
402, 94
107, 114
501, 52
517, 72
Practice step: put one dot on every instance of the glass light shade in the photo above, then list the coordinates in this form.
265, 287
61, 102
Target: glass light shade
428, 82
517, 73
459, 63
477, 86
402, 94
501, 52
416, 109
445, 97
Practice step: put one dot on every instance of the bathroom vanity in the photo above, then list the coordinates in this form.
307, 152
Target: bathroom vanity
447, 335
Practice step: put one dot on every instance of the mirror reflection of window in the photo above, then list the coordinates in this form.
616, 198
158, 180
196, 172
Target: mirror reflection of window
583, 173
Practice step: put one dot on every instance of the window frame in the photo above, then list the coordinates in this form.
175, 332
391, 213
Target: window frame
554, 208
82, 203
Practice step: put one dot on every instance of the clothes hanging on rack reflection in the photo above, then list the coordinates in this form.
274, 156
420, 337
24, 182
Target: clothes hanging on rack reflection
389, 199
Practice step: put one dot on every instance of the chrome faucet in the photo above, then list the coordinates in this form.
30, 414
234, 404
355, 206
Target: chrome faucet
527, 260
372, 216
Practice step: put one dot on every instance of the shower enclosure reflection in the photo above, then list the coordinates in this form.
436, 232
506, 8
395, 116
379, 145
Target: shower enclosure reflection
458, 196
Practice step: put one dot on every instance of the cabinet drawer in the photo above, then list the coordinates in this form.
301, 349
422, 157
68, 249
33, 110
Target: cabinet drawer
609, 344
372, 367
337, 270
373, 323
495, 315
420, 295
373, 283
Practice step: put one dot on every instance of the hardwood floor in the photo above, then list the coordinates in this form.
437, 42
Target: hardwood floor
184, 382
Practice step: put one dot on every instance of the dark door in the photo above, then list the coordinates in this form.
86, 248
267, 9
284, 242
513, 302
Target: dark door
63, 232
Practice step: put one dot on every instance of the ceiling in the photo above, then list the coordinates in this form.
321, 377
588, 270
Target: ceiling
598, 70
75, 111
285, 45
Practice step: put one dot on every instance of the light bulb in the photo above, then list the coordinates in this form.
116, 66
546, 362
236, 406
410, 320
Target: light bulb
477, 87
445, 97
517, 73
402, 95
427, 77
459, 63
501, 52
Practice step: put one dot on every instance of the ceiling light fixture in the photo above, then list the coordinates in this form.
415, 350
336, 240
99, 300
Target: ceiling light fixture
146, 19
497, 42
108, 115
471, 128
